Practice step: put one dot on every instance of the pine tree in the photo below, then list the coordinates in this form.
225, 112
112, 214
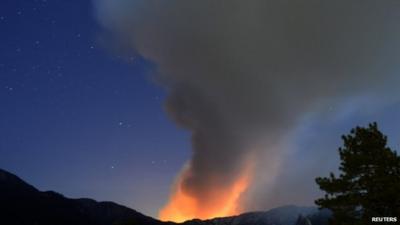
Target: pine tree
369, 181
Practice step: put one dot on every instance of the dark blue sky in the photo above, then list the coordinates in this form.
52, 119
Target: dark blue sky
87, 122
77, 119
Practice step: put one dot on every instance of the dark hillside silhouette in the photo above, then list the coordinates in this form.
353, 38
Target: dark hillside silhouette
22, 204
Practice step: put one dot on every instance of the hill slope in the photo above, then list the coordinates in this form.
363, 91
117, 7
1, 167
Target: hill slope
286, 215
23, 204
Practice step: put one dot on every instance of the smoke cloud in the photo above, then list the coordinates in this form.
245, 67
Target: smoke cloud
241, 75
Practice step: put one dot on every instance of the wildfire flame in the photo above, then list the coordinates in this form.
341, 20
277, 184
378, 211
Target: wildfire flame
224, 202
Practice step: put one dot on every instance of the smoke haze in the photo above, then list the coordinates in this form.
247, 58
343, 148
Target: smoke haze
241, 75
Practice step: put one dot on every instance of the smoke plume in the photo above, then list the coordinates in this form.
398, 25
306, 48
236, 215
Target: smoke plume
241, 74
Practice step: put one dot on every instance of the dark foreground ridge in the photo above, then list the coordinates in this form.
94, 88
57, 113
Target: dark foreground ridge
23, 204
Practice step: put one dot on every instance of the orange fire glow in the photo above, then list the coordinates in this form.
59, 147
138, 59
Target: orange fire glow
224, 202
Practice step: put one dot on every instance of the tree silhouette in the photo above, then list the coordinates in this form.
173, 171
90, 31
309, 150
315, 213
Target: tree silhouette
369, 181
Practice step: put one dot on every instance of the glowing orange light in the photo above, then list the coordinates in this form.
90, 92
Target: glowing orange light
224, 202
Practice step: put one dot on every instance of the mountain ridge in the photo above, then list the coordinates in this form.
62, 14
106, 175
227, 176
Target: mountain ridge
23, 204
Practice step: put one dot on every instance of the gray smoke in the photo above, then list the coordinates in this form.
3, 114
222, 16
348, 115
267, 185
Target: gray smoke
241, 74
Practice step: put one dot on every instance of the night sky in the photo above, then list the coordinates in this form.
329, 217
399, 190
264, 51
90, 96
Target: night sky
77, 118
85, 120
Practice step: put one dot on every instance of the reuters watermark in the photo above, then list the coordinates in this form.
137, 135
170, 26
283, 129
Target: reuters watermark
384, 219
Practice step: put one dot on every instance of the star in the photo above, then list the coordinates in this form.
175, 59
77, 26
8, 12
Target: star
9, 88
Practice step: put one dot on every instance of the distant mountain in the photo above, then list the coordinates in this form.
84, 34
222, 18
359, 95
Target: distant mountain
23, 204
303, 220
286, 215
